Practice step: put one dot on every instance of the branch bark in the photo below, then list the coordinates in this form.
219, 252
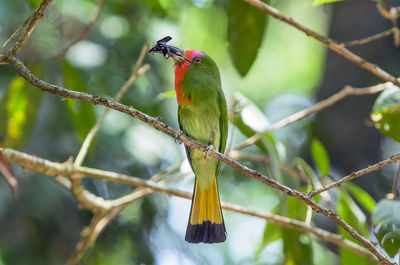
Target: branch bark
78, 171
147, 186
323, 104
368, 39
331, 44
36, 17
356, 174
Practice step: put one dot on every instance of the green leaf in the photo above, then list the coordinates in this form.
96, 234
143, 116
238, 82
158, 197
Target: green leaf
166, 95
272, 232
19, 107
35, 3
348, 210
320, 2
308, 171
361, 196
296, 247
169, 94
386, 218
388, 235
247, 131
320, 157
245, 33
387, 211
386, 113
81, 112
379, 2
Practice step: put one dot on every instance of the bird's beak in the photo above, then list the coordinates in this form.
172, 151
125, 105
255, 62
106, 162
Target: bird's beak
178, 55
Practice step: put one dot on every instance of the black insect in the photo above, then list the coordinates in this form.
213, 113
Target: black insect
168, 50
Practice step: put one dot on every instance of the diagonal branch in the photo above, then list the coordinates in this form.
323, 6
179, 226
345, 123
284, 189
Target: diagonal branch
55, 169
391, 13
323, 104
15, 34
331, 44
138, 71
101, 219
157, 124
31, 26
368, 39
356, 174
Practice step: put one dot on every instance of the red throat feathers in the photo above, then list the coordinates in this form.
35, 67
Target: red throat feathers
180, 71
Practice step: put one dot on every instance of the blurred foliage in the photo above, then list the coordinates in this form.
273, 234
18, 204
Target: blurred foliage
320, 2
82, 112
320, 157
245, 33
386, 218
19, 107
269, 70
386, 113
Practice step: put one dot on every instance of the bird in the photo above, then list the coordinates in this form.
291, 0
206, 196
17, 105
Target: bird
202, 115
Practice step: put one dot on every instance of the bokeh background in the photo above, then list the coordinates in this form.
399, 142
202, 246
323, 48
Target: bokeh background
290, 72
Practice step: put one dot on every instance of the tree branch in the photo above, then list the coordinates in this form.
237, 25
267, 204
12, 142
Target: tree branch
76, 172
156, 123
368, 39
323, 104
356, 174
31, 26
331, 44
101, 219
15, 34
55, 169
138, 71
392, 13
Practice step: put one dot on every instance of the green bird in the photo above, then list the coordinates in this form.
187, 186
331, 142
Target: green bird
202, 115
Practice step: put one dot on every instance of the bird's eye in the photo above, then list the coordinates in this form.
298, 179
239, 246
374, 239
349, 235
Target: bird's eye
197, 60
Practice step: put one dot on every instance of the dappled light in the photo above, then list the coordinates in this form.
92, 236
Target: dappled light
283, 115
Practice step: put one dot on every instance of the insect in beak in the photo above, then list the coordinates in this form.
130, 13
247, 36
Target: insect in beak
168, 50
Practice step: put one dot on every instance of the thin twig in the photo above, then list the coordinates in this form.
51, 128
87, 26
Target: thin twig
85, 198
37, 15
54, 169
395, 189
101, 219
392, 14
15, 34
323, 104
51, 168
138, 71
266, 161
368, 39
157, 124
331, 44
356, 174
84, 33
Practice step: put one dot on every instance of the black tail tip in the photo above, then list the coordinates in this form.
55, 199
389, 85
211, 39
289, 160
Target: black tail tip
206, 232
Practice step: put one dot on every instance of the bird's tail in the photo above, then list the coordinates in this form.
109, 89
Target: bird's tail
206, 223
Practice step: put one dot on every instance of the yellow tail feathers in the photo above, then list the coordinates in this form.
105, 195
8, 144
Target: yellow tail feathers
206, 223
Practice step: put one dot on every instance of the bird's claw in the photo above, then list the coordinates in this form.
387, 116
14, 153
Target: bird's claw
208, 150
177, 135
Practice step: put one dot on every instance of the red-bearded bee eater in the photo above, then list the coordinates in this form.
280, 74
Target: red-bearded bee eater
202, 115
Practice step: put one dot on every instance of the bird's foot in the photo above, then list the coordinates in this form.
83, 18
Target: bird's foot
177, 135
208, 150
